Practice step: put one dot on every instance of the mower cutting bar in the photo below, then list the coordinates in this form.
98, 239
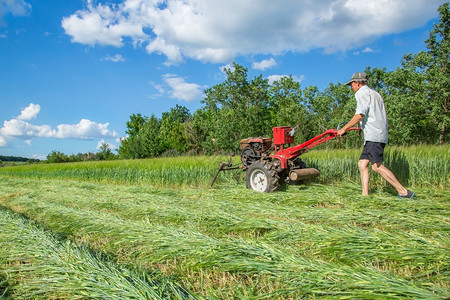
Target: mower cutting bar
225, 166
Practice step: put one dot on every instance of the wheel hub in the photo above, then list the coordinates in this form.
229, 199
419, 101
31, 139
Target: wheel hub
258, 181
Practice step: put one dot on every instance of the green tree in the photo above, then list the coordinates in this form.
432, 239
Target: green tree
105, 152
235, 109
171, 133
420, 89
151, 137
438, 71
287, 108
132, 146
57, 157
135, 124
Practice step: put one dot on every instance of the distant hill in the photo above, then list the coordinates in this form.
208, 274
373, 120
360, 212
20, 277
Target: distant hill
17, 158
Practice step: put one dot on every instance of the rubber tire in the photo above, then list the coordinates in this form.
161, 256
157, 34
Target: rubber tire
262, 177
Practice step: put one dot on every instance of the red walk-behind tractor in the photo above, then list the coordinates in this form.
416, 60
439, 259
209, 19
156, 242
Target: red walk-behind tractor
264, 170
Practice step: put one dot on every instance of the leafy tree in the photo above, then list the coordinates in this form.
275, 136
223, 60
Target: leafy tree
420, 89
151, 138
235, 109
319, 110
171, 134
287, 108
105, 153
438, 71
135, 124
57, 157
131, 147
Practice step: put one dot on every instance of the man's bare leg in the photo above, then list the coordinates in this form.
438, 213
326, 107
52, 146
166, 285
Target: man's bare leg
363, 165
389, 177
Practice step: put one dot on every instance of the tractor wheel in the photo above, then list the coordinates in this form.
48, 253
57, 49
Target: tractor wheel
262, 177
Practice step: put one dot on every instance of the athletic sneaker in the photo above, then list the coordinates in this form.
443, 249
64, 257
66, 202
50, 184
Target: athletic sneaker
409, 195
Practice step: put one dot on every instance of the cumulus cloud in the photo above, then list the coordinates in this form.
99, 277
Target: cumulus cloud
273, 78
365, 50
182, 90
29, 112
19, 127
14, 7
105, 24
264, 64
217, 31
85, 129
115, 58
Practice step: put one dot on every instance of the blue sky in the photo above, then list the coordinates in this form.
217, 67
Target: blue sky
72, 72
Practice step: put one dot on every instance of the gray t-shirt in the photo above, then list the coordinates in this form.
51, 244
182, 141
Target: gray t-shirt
370, 103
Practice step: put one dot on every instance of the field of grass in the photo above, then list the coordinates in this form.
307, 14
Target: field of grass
65, 236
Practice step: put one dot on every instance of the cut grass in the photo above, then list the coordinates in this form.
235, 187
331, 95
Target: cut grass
308, 241
35, 264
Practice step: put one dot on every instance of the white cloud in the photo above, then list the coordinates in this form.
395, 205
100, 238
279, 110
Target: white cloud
273, 78
264, 64
158, 87
368, 50
19, 127
217, 30
182, 90
365, 50
29, 112
85, 129
14, 7
115, 58
104, 24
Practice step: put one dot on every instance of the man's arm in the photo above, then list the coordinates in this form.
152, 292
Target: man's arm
355, 120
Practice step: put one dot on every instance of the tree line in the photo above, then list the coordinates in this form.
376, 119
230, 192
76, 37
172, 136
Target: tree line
104, 153
416, 96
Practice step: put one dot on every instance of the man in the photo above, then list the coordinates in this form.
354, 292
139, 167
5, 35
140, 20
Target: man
371, 113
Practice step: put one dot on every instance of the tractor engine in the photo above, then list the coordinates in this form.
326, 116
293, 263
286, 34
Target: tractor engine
254, 148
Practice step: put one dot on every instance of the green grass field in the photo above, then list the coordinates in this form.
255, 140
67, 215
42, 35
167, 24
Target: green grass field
112, 231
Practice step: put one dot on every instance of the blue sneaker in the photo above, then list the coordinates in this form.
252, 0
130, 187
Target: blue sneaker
409, 195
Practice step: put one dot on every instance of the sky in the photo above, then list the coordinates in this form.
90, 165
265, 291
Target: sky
73, 72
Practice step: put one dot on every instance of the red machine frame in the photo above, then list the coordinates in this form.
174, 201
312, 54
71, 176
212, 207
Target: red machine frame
283, 137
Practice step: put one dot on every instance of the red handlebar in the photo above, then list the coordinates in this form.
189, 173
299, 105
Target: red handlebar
283, 154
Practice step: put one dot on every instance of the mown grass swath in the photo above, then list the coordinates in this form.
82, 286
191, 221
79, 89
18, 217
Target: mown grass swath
313, 241
36, 264
414, 166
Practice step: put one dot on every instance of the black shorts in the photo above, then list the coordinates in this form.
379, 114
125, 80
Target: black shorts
373, 151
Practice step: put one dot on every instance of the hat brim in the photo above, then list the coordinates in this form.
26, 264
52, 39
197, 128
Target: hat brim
349, 82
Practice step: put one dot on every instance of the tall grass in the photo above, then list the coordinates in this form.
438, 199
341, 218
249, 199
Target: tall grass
422, 165
175, 171
413, 166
